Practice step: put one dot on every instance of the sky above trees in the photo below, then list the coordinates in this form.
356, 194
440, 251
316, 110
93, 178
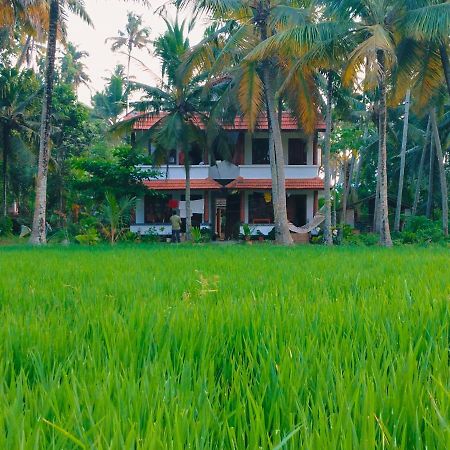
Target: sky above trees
108, 17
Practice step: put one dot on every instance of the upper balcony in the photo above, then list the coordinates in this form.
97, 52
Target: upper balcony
177, 172
262, 171
228, 171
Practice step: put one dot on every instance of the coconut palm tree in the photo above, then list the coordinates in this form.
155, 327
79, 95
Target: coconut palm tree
18, 95
109, 104
73, 70
402, 162
178, 101
421, 166
135, 36
373, 31
256, 77
310, 43
442, 173
57, 10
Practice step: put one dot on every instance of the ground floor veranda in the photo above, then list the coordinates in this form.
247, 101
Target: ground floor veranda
222, 211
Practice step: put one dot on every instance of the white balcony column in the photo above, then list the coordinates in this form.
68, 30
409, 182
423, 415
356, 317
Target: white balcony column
140, 210
310, 147
246, 206
309, 205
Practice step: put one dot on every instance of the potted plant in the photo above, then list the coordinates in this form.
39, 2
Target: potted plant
260, 236
247, 232
196, 235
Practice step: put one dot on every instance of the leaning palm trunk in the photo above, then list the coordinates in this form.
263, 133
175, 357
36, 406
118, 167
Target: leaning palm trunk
385, 232
398, 209
128, 80
345, 179
327, 236
283, 236
376, 210
273, 170
187, 168
38, 236
24, 52
351, 172
442, 175
421, 164
429, 211
5, 169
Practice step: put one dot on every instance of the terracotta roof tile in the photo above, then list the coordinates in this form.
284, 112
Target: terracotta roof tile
180, 185
288, 122
260, 183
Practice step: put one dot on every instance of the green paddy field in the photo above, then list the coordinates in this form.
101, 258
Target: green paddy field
224, 347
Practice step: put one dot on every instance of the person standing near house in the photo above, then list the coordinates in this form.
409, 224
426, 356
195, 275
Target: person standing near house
175, 220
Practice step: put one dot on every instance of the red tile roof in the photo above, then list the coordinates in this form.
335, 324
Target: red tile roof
260, 183
288, 122
180, 185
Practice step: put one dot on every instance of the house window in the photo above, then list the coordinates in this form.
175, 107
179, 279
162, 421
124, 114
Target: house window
297, 154
260, 209
156, 209
196, 154
260, 151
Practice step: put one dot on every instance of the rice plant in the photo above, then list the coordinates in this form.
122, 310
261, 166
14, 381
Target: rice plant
239, 347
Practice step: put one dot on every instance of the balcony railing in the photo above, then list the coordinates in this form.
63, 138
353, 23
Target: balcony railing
247, 171
257, 171
177, 172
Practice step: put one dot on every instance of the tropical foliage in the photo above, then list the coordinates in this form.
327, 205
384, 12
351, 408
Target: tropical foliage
377, 72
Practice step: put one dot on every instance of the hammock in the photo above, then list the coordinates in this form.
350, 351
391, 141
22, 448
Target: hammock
317, 220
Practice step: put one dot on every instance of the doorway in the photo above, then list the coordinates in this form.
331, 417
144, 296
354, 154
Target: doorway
227, 216
296, 209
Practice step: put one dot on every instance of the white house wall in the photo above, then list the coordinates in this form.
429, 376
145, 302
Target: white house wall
140, 210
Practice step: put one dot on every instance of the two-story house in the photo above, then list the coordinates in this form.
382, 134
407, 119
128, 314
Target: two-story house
226, 194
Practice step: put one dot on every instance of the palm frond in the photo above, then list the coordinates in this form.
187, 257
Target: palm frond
251, 93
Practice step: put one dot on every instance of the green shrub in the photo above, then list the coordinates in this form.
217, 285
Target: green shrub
151, 236
90, 237
206, 234
6, 226
196, 235
366, 239
129, 237
420, 230
246, 230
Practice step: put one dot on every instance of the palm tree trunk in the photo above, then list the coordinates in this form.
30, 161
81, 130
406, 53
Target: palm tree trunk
351, 171
385, 232
327, 235
282, 234
431, 179
38, 236
24, 52
421, 164
273, 169
445, 64
128, 80
187, 167
442, 174
376, 209
5, 170
343, 218
398, 209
